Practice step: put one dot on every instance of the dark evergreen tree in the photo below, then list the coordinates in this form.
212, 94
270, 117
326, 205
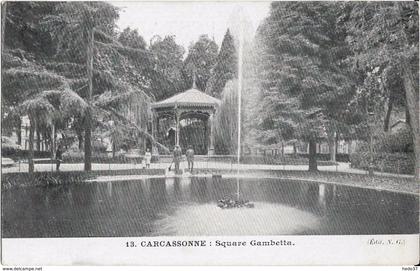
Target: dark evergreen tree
201, 59
226, 66
167, 77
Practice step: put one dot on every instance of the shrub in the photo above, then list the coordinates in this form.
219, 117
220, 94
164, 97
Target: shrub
24, 179
23, 154
383, 161
400, 141
98, 146
339, 157
278, 160
77, 155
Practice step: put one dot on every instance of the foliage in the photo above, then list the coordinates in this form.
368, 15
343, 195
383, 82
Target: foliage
70, 24
397, 162
226, 121
384, 39
396, 142
22, 30
167, 77
131, 38
200, 60
401, 141
46, 179
301, 73
52, 88
279, 160
17, 154
225, 68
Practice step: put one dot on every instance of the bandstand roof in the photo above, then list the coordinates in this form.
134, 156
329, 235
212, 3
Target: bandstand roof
189, 98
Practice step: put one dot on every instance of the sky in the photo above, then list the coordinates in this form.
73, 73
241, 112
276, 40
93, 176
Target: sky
187, 20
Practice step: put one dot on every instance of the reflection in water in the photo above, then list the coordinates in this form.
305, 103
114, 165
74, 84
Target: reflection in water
208, 219
199, 192
186, 206
109, 187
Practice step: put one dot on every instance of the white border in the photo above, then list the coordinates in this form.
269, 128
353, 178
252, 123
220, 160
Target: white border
308, 250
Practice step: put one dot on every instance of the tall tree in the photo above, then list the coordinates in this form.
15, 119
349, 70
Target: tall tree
73, 27
167, 78
226, 66
118, 72
200, 60
302, 71
383, 35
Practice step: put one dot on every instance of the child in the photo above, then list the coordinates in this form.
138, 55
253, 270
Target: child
148, 158
177, 158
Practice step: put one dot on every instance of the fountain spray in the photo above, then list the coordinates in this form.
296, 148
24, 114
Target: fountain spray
240, 55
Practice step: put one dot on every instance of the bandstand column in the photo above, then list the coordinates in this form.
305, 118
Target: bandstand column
177, 132
211, 145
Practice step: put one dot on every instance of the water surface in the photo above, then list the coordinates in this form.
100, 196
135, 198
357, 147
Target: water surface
187, 206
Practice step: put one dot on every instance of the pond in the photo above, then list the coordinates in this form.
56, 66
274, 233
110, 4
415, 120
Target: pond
188, 206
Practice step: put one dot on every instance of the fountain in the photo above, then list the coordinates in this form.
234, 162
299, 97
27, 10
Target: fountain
238, 202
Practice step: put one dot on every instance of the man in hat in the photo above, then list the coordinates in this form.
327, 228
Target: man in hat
190, 158
177, 157
58, 157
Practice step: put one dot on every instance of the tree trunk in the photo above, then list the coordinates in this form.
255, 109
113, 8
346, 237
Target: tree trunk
312, 155
412, 100
332, 146
3, 23
19, 129
282, 149
53, 142
88, 142
113, 149
38, 140
88, 117
80, 140
31, 146
388, 114
336, 145
407, 116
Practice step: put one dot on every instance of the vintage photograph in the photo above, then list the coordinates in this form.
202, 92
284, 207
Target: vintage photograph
154, 119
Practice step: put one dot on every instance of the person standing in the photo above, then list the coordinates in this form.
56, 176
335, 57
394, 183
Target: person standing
58, 157
148, 158
177, 157
190, 158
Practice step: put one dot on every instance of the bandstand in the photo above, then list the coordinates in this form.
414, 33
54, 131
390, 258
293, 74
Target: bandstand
190, 115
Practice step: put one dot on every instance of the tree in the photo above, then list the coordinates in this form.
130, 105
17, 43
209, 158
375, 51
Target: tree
118, 72
385, 36
200, 60
226, 123
303, 77
167, 78
65, 26
226, 66
131, 38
